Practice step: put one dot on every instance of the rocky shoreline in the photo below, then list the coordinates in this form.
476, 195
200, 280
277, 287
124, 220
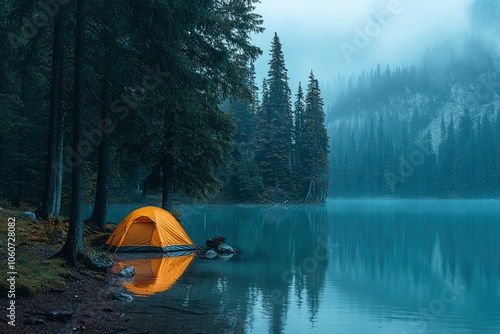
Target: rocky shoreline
89, 305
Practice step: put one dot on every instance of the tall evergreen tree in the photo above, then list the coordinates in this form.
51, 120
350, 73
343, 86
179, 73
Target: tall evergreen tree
276, 164
298, 118
314, 146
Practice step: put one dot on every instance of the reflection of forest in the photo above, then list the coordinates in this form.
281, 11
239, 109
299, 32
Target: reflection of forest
384, 259
282, 253
408, 254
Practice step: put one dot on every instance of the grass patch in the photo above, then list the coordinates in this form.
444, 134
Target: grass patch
37, 276
35, 242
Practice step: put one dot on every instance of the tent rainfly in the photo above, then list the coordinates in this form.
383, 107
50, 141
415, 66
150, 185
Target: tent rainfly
150, 229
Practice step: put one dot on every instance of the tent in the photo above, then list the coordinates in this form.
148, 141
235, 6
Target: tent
155, 274
150, 229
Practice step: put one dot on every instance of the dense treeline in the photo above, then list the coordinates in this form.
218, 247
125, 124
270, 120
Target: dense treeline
377, 162
383, 144
281, 152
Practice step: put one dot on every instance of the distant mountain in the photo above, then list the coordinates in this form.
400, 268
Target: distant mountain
385, 117
485, 19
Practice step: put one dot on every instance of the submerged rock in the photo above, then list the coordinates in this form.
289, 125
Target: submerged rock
225, 257
127, 271
122, 297
211, 254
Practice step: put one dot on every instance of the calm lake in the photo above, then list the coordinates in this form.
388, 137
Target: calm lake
353, 266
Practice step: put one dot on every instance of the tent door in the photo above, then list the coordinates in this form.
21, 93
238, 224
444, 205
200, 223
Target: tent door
140, 234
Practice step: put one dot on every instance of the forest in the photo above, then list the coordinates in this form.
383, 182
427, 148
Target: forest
110, 101
100, 105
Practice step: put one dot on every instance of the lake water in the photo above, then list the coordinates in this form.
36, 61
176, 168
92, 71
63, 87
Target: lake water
354, 266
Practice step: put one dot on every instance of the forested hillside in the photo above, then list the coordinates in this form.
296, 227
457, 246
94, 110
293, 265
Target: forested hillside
429, 130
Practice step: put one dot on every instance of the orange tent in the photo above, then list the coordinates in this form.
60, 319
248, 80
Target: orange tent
149, 229
156, 274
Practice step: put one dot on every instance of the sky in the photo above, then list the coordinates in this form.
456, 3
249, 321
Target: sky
348, 36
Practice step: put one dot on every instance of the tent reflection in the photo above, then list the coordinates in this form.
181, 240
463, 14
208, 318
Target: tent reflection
153, 275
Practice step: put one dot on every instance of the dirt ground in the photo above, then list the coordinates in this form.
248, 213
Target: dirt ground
94, 312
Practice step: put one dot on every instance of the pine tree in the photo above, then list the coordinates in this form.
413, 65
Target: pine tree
275, 153
314, 147
263, 137
298, 115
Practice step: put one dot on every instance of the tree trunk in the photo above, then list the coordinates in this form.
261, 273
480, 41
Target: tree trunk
59, 175
98, 218
73, 248
50, 171
60, 138
168, 182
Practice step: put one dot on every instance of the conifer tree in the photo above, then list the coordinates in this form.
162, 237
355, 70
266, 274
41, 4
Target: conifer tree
275, 158
298, 115
314, 146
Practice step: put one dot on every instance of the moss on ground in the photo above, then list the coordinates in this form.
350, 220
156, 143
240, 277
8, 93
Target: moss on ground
36, 241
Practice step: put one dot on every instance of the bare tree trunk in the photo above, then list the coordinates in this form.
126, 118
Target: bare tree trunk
50, 172
59, 175
98, 218
60, 138
73, 247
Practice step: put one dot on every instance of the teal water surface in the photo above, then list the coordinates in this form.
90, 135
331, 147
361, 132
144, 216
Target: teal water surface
349, 266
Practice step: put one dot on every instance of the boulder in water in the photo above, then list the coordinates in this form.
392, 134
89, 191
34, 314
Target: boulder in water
225, 249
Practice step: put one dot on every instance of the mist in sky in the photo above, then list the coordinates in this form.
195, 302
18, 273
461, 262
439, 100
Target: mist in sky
338, 36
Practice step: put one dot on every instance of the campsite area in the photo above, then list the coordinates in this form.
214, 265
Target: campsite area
250, 166
310, 268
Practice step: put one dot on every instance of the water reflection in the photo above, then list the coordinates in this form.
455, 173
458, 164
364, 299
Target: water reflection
346, 267
154, 274
284, 255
